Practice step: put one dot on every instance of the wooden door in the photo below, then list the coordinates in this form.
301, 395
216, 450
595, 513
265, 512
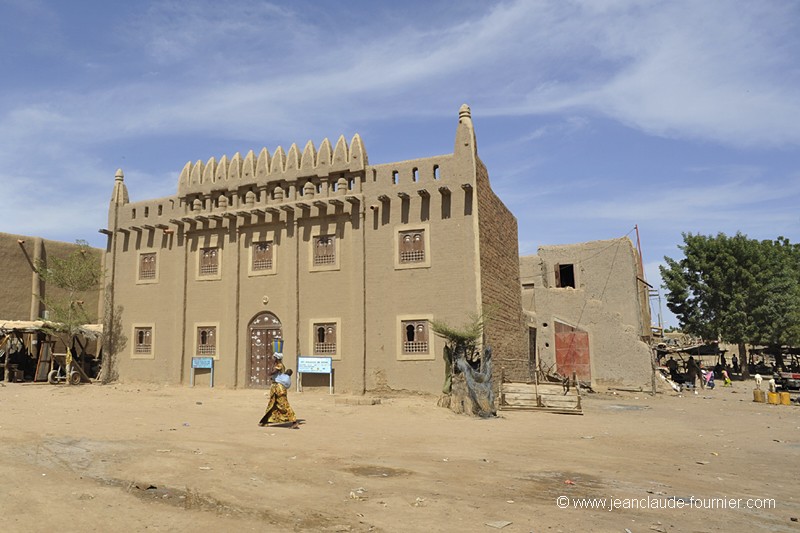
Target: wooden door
531, 353
263, 329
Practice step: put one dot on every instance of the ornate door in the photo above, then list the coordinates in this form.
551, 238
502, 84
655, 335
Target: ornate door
263, 329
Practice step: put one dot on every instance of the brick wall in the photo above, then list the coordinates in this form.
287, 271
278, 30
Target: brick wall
505, 328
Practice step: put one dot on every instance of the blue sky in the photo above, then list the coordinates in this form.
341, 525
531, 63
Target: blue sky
591, 116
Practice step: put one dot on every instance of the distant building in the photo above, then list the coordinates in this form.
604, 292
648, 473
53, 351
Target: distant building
336, 257
588, 311
22, 308
22, 289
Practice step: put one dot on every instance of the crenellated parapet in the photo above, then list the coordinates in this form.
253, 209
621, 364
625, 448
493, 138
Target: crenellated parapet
258, 170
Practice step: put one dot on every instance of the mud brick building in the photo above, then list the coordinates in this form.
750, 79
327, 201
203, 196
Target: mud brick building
336, 257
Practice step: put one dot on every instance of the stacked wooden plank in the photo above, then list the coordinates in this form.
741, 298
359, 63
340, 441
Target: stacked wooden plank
543, 397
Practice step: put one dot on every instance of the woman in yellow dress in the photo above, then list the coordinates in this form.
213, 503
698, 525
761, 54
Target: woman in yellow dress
278, 409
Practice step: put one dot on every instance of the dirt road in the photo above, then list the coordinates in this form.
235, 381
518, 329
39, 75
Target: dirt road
152, 458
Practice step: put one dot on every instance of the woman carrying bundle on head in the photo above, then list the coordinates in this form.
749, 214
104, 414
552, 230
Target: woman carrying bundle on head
278, 409
279, 368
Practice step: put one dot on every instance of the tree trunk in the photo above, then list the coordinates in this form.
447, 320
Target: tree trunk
744, 361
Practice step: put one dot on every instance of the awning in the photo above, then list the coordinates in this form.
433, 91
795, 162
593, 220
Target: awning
91, 331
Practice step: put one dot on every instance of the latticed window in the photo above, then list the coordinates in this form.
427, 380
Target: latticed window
207, 340
324, 250
325, 339
147, 266
415, 336
209, 261
412, 246
143, 340
262, 255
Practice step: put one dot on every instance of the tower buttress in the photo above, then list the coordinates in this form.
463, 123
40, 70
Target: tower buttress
120, 194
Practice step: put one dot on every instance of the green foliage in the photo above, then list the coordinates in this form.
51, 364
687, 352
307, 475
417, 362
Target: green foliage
77, 274
465, 339
736, 289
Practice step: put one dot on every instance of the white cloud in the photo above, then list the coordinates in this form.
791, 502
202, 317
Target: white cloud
724, 72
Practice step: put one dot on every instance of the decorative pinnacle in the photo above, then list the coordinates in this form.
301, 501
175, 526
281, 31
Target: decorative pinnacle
119, 176
464, 112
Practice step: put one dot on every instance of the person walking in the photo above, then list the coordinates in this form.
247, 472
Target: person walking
278, 409
693, 372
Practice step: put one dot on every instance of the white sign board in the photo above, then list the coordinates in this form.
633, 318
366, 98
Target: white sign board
314, 365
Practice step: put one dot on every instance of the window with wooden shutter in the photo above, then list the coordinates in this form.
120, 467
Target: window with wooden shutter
415, 336
412, 246
262, 255
325, 338
324, 250
143, 340
209, 261
207, 341
147, 266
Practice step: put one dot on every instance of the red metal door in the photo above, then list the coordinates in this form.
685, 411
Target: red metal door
572, 354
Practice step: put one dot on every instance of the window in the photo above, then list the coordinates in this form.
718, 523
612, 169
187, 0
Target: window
324, 250
209, 261
207, 341
142, 345
262, 256
415, 337
143, 340
412, 246
565, 276
415, 340
325, 339
147, 266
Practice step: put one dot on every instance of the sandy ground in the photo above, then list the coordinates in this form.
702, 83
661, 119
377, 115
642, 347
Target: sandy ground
152, 458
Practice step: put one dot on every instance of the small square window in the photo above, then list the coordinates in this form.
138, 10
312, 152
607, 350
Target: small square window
415, 337
412, 246
325, 338
209, 262
147, 266
262, 256
143, 341
207, 341
324, 250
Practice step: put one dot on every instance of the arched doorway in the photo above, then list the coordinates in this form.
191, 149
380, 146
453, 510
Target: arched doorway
262, 330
